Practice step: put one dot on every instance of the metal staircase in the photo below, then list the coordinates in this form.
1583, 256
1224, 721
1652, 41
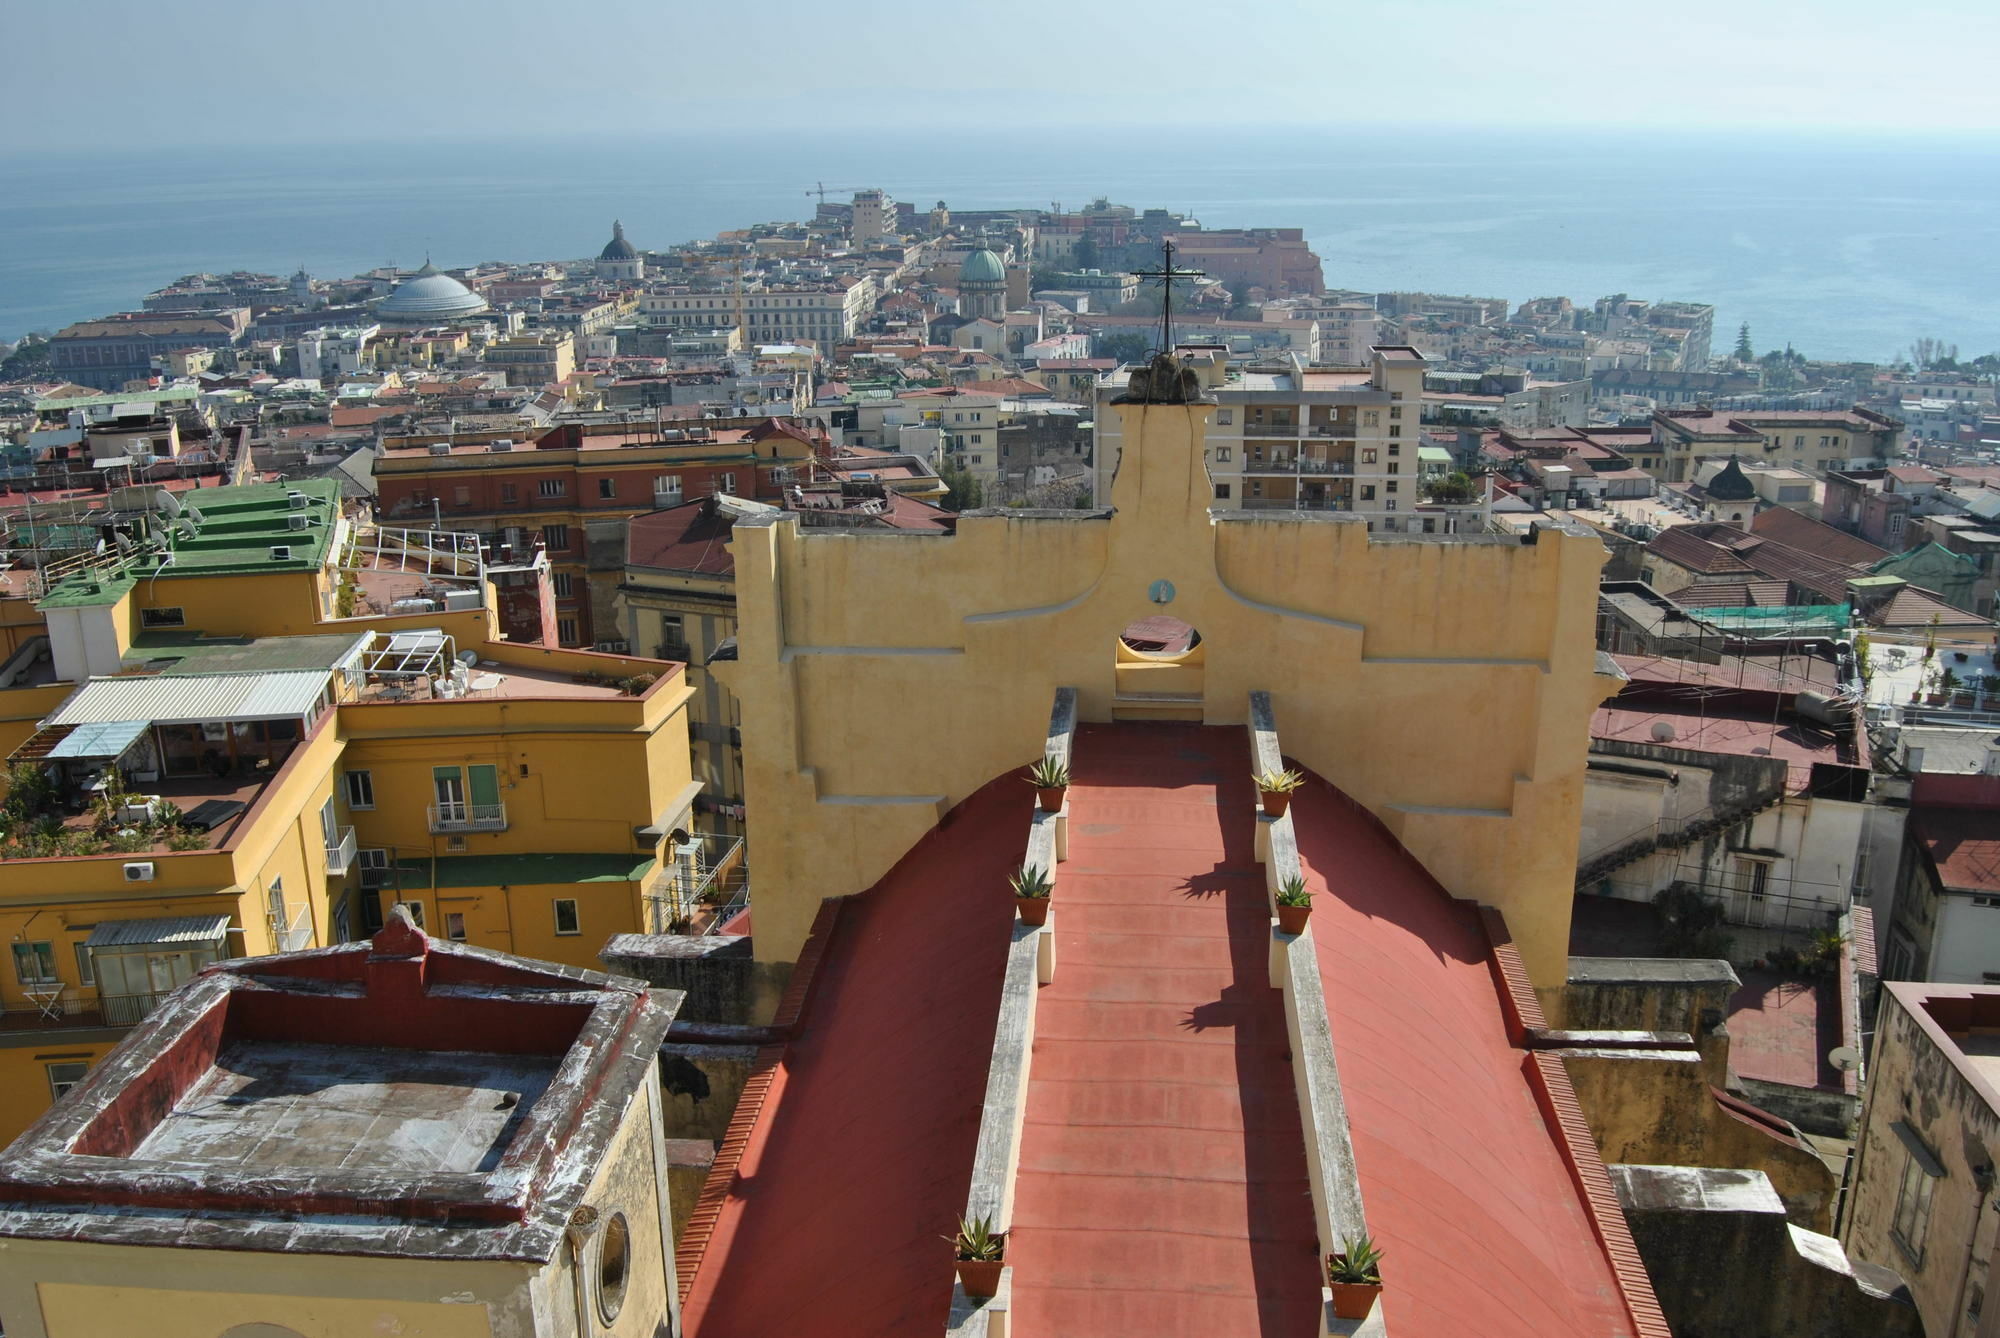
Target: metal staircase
1667, 834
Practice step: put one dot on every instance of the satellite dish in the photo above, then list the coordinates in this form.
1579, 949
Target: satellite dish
1844, 1057
1663, 731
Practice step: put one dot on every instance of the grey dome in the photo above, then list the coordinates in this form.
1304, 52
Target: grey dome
617, 248
1730, 485
982, 266
430, 296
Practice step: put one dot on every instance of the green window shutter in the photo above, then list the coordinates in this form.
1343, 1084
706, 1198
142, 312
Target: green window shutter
483, 785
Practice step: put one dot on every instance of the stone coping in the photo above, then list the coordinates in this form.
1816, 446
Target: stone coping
1329, 1147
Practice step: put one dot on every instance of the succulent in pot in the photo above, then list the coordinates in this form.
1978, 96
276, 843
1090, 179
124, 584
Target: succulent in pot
1032, 887
1295, 905
1276, 789
1050, 777
1355, 1276
978, 1254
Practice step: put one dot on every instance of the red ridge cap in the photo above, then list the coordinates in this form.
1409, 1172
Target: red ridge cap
1557, 1098
1518, 1002
765, 1075
766, 1080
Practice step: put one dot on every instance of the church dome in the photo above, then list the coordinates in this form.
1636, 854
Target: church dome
618, 248
982, 266
428, 295
1730, 485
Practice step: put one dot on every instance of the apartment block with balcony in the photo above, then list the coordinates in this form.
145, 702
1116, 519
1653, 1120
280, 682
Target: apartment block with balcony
1818, 441
578, 483
205, 761
825, 314
1287, 437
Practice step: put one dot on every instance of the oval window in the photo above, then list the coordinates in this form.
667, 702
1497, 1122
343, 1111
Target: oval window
614, 1267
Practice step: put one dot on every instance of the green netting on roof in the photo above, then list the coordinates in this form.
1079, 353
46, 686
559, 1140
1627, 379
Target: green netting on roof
1781, 620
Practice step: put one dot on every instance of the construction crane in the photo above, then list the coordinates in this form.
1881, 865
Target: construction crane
820, 188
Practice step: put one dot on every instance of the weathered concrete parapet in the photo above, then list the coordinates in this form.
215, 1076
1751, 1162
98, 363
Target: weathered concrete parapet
719, 975
1689, 994
1725, 1262
1329, 1146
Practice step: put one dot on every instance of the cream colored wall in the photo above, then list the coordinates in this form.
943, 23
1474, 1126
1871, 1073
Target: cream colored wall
60, 1289
1447, 686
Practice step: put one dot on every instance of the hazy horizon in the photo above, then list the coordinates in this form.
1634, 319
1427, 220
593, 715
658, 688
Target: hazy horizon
375, 71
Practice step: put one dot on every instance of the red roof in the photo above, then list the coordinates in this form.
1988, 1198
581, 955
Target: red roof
1466, 1187
1963, 845
863, 1156
1162, 1185
690, 537
1698, 555
1815, 537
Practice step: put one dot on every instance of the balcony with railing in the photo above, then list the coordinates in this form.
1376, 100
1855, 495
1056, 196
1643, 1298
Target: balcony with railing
340, 854
1296, 504
1297, 464
459, 816
73, 1011
701, 885
1272, 430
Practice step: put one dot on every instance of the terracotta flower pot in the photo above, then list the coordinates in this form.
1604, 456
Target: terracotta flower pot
1292, 919
1052, 798
1353, 1300
979, 1277
1276, 802
1034, 910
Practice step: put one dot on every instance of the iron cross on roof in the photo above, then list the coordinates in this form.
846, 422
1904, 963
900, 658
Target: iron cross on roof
1166, 274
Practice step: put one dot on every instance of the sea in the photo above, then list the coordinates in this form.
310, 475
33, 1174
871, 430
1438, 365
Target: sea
1838, 246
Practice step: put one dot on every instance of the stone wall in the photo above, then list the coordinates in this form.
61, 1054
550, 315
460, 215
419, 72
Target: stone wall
1726, 1263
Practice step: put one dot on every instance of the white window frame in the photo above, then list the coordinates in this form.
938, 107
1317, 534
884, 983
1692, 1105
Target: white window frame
575, 917
552, 488
61, 1087
358, 789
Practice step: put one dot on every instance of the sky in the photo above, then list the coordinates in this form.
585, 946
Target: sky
126, 73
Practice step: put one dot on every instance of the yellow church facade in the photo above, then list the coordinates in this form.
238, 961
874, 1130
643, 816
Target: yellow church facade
1444, 682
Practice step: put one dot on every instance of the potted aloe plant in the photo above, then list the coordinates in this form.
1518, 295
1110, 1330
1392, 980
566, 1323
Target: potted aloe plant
1276, 788
1051, 781
977, 1253
1355, 1276
1295, 905
1032, 887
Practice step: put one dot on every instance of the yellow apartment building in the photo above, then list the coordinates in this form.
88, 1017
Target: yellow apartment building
204, 763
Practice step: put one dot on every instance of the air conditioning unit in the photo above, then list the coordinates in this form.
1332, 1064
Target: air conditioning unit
296, 500
297, 522
614, 647
281, 553
139, 873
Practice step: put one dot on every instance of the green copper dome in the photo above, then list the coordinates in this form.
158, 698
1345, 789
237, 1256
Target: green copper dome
982, 266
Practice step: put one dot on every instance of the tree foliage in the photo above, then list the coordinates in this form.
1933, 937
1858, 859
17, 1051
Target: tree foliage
1455, 488
1744, 353
962, 491
1931, 353
29, 361
1124, 347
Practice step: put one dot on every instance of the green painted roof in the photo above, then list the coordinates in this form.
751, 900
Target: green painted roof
80, 592
170, 395
240, 530
192, 653
527, 870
